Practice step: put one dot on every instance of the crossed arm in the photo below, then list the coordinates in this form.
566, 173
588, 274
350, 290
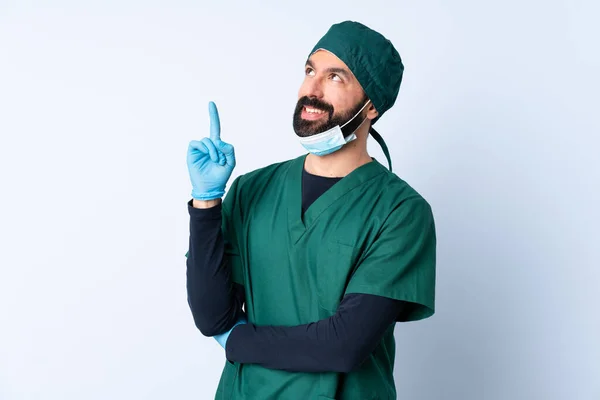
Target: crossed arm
339, 343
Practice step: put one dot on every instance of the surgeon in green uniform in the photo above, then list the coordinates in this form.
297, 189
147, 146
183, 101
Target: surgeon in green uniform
322, 276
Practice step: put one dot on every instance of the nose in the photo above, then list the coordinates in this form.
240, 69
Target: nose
311, 87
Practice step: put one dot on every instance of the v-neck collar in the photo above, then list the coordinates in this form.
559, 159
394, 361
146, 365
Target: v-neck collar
299, 225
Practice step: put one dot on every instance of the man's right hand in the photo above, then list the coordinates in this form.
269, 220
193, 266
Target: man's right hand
210, 161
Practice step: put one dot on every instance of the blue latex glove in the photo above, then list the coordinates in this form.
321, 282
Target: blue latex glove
222, 338
210, 161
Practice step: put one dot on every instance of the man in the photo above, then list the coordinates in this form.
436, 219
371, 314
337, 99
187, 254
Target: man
304, 269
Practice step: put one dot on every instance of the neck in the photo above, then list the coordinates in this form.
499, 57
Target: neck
342, 162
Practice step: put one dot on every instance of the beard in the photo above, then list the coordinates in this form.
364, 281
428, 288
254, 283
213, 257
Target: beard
305, 128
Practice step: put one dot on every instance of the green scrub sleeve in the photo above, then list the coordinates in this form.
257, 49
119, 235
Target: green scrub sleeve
401, 262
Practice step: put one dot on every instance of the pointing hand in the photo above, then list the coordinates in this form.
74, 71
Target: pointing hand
210, 161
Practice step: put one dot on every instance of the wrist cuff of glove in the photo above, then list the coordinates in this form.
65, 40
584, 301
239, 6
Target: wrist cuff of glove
217, 194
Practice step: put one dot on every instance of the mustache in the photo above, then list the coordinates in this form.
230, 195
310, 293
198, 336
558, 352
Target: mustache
316, 103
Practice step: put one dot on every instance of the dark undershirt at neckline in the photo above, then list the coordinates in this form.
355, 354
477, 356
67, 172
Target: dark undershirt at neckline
313, 186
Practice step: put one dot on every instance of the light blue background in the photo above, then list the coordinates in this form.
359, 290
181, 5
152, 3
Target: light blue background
496, 125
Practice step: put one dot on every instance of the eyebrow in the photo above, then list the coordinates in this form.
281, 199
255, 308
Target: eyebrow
341, 71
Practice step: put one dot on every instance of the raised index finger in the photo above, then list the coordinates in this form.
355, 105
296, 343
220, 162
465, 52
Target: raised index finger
215, 123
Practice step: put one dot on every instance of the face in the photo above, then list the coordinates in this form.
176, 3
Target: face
330, 95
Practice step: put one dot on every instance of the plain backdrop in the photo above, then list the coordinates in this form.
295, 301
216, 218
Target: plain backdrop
496, 125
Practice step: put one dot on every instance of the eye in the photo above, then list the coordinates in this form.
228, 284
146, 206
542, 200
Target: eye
309, 71
336, 78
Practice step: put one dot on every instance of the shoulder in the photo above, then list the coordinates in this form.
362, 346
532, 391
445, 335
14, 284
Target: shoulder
406, 217
400, 196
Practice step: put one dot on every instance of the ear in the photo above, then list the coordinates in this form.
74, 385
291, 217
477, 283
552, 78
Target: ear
372, 112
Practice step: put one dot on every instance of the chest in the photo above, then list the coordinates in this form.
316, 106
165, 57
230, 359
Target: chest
298, 271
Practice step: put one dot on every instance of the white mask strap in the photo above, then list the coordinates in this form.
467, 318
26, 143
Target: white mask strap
355, 115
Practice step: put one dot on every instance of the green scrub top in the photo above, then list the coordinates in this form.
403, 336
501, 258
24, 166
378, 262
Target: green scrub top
369, 233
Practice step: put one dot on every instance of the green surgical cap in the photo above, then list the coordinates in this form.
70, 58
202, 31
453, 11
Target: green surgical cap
372, 59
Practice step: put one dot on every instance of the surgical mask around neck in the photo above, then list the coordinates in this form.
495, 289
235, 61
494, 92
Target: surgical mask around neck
332, 139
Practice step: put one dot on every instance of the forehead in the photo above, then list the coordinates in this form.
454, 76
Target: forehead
322, 59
